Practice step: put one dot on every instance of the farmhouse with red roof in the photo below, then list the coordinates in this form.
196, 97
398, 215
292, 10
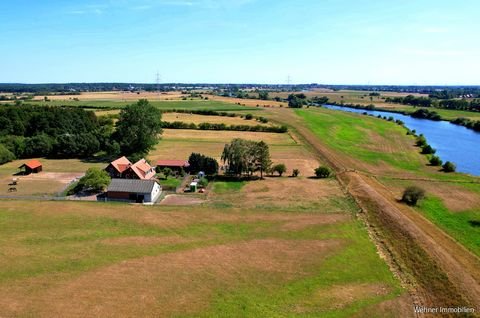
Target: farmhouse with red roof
122, 168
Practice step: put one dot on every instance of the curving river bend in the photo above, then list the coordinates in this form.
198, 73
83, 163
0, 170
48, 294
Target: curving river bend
453, 142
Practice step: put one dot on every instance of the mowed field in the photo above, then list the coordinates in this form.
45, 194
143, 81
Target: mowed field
195, 104
198, 119
313, 258
115, 96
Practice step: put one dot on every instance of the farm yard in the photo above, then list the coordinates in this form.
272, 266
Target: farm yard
310, 246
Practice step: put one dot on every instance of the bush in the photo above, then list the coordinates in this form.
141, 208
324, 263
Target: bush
421, 141
295, 172
435, 161
322, 172
279, 168
412, 195
167, 172
5, 155
449, 167
428, 150
94, 180
248, 116
203, 182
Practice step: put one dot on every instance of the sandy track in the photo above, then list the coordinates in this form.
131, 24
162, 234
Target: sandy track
460, 265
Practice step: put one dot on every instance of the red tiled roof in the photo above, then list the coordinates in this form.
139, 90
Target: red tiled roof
142, 169
121, 164
173, 163
32, 164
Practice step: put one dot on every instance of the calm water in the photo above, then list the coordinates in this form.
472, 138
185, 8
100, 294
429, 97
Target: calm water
453, 143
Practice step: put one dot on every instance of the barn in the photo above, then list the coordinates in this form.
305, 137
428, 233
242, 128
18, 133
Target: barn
134, 190
32, 166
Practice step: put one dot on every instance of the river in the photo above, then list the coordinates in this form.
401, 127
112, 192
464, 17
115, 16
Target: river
453, 143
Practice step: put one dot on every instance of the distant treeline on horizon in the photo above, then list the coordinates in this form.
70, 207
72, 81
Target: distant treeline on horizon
96, 87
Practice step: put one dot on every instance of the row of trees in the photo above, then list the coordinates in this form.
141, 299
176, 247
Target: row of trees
38, 131
458, 104
222, 126
434, 160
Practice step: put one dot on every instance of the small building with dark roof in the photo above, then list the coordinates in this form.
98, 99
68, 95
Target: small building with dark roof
175, 165
32, 166
134, 190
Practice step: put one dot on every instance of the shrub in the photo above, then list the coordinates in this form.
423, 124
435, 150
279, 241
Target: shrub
203, 182
248, 116
295, 172
449, 167
279, 168
412, 195
421, 141
435, 161
322, 172
428, 150
94, 180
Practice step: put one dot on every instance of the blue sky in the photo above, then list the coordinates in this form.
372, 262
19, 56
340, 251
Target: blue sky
257, 41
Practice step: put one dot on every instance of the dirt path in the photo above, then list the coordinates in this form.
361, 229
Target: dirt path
461, 266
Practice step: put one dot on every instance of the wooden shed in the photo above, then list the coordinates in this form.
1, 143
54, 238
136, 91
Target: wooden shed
32, 166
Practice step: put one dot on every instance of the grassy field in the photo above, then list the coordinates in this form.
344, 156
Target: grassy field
464, 226
197, 119
163, 105
70, 258
376, 142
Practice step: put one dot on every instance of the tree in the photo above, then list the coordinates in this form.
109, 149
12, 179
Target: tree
279, 168
295, 173
5, 155
412, 195
449, 167
263, 95
435, 161
199, 162
294, 101
167, 172
421, 141
138, 127
245, 156
236, 156
322, 172
38, 146
428, 150
262, 157
94, 180
248, 116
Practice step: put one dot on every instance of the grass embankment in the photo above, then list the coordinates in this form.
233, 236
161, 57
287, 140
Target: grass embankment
464, 226
69, 257
367, 139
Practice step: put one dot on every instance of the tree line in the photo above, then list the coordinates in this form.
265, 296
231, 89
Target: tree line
457, 104
221, 126
41, 131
